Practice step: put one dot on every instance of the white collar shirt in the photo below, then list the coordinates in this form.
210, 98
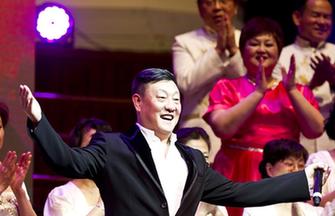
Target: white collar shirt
171, 167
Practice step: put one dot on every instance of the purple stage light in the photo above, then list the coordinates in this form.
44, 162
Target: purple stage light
54, 23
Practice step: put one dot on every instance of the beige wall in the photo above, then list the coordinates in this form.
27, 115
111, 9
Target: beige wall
173, 5
138, 25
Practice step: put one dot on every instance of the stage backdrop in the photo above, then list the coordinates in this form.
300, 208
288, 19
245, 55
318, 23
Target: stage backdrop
16, 67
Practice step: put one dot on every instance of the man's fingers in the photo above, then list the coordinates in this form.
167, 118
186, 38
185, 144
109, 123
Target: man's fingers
26, 96
314, 61
326, 58
318, 58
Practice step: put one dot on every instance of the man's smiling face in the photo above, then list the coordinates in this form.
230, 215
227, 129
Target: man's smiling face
159, 107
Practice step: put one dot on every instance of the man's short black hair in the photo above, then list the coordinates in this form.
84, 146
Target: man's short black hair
300, 5
150, 75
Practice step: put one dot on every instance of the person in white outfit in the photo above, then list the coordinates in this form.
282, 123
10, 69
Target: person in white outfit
327, 157
314, 59
80, 197
280, 157
203, 56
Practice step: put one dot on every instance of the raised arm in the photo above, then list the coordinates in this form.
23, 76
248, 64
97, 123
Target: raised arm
71, 162
309, 118
292, 187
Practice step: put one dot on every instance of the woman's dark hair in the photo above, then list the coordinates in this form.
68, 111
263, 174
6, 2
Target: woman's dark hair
330, 124
258, 26
192, 133
278, 150
150, 75
83, 126
4, 113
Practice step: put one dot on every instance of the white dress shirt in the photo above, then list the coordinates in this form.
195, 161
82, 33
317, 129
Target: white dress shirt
171, 168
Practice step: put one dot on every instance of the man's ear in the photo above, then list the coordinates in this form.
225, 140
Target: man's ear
137, 101
296, 17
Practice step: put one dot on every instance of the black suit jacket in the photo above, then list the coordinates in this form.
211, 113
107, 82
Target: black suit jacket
123, 169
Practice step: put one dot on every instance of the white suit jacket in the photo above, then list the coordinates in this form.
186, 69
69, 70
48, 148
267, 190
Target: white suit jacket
197, 67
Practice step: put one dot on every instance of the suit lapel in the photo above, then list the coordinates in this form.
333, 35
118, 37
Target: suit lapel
139, 146
192, 171
189, 189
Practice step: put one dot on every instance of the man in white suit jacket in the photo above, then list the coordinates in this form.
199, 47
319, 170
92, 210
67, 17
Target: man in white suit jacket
202, 57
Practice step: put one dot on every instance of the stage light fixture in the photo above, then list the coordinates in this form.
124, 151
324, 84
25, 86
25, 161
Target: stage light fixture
54, 24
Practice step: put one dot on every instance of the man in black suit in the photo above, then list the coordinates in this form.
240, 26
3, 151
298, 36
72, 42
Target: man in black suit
145, 171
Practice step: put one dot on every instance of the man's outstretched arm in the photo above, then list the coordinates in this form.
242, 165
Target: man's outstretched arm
71, 162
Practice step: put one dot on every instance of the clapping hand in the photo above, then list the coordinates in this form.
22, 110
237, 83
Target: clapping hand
226, 36
261, 81
289, 77
13, 173
21, 171
7, 170
324, 70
